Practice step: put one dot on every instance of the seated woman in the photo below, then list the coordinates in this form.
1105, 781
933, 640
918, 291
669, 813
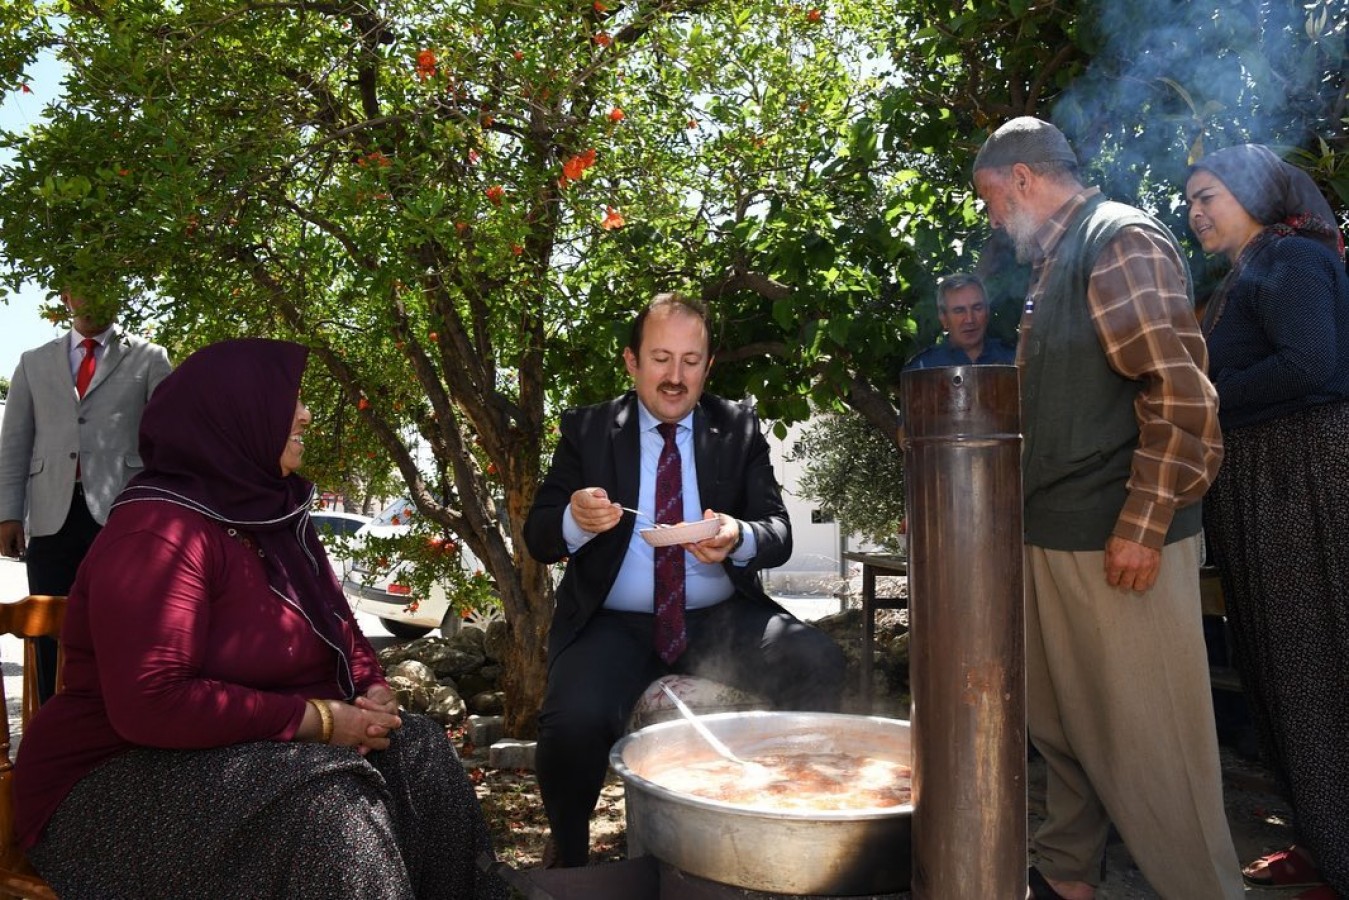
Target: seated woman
225, 729
1278, 338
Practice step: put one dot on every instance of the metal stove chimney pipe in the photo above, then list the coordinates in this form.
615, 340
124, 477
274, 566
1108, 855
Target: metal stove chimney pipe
967, 654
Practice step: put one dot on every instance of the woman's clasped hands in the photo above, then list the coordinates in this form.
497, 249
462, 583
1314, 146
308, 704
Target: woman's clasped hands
364, 723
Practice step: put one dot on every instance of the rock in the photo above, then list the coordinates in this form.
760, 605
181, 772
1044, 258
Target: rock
488, 703
444, 657
416, 684
447, 707
459, 655
448, 657
418, 669
471, 637
496, 640
413, 670
413, 696
479, 681
418, 649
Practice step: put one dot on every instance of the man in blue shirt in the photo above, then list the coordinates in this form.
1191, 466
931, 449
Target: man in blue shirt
962, 307
609, 637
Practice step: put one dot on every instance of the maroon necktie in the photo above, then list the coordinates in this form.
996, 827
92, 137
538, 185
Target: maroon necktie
669, 599
85, 374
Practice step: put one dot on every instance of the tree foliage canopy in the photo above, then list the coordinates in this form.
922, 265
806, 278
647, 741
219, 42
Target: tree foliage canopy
856, 476
459, 205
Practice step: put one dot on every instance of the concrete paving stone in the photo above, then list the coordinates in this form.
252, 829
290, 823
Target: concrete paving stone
484, 731
512, 754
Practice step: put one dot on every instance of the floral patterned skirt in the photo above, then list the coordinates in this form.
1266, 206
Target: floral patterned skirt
1278, 519
271, 819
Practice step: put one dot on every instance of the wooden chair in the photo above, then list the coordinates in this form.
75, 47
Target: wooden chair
29, 618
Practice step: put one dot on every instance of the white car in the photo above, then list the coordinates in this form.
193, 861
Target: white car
337, 532
383, 591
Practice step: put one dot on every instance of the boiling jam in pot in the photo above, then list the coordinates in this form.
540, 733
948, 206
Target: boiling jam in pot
796, 782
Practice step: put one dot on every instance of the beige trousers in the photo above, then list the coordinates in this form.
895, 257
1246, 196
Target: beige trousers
1118, 703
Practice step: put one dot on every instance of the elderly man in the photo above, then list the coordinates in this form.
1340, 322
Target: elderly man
628, 613
68, 447
962, 309
1121, 442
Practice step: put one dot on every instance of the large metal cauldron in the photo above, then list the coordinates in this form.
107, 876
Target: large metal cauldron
829, 852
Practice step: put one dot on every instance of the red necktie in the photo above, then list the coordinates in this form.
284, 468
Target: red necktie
83, 376
87, 366
669, 600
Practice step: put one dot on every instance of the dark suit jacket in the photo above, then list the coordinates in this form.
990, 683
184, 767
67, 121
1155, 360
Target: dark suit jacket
599, 447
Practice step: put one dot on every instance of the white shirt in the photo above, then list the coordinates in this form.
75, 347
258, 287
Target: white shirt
76, 350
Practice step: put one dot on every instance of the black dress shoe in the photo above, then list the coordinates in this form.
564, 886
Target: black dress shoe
550, 854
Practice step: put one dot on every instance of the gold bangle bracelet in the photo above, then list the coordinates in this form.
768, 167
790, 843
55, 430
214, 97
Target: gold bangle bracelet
325, 720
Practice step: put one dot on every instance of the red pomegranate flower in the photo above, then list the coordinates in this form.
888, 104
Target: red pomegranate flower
426, 64
575, 166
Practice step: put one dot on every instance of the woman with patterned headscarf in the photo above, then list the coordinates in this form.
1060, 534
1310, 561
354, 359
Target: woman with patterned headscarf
225, 729
1278, 513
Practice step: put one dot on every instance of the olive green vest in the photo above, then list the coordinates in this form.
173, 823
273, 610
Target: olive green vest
1078, 422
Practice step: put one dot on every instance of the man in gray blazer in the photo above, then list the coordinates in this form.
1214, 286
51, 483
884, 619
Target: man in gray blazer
65, 454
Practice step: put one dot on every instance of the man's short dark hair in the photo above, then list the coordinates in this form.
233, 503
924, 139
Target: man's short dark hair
668, 299
955, 282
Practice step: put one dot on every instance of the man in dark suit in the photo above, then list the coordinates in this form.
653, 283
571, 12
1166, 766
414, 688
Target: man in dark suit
611, 633
69, 445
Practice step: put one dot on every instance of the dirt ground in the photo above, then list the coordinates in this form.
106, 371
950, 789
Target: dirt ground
1259, 819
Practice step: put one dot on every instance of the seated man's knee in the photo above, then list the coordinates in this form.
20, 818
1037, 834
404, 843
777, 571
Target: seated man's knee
580, 717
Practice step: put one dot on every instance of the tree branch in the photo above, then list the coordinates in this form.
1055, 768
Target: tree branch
757, 282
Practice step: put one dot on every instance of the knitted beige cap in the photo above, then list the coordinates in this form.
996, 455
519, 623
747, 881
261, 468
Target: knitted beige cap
1024, 139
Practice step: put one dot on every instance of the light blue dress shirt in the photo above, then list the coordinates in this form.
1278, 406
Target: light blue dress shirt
634, 588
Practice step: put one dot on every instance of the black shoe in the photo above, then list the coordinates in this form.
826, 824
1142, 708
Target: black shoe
550, 854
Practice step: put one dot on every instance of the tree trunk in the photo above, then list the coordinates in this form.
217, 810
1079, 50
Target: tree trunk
525, 669
527, 600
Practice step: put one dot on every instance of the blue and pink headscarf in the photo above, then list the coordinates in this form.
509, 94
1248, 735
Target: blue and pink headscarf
1274, 192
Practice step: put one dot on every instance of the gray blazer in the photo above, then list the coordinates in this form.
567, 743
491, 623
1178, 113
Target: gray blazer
47, 426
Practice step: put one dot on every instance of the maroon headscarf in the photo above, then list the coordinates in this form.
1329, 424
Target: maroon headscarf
1275, 192
211, 438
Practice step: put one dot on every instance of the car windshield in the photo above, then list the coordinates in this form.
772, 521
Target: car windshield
327, 524
400, 512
